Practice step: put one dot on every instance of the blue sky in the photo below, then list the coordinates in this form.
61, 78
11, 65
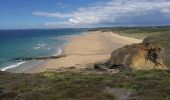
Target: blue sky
19, 14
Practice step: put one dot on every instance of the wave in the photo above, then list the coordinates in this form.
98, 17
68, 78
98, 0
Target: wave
12, 66
37, 48
59, 51
41, 45
48, 49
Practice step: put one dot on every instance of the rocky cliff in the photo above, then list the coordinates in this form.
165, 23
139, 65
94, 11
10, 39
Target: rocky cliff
139, 56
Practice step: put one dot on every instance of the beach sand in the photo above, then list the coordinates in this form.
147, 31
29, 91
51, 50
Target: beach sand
95, 46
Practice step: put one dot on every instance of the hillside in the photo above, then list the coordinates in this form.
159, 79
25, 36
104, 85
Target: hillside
146, 85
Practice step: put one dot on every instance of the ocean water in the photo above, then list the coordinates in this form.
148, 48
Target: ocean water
31, 43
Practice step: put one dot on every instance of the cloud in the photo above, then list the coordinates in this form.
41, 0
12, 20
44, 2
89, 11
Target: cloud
47, 14
110, 12
63, 5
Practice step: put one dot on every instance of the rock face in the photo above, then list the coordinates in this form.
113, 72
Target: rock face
139, 56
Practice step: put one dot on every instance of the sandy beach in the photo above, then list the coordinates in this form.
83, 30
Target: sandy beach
94, 46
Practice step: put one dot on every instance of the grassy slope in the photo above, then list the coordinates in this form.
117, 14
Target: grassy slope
149, 85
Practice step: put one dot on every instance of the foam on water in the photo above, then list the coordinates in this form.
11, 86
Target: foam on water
31, 43
41, 45
37, 48
12, 66
59, 51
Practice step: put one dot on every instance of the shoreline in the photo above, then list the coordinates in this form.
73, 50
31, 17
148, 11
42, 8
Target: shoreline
85, 49
20, 67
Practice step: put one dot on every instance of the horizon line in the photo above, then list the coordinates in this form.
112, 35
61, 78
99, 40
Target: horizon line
88, 27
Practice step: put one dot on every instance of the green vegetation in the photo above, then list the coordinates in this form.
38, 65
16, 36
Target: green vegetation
137, 32
159, 34
153, 84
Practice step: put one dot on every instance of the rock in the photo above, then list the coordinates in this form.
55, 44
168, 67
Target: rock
72, 67
40, 58
100, 67
139, 56
105, 67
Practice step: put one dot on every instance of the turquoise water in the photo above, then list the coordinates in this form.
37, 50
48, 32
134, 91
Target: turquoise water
31, 43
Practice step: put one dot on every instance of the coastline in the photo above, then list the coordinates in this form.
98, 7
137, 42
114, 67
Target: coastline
85, 49
21, 66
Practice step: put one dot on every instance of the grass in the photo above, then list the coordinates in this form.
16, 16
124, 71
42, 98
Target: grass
52, 86
69, 85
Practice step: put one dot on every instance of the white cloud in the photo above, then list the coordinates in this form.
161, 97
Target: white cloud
63, 5
165, 10
108, 12
56, 14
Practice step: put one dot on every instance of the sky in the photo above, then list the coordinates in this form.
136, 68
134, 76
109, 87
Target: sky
24, 14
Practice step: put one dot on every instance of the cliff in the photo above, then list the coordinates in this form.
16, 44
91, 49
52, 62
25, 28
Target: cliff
139, 56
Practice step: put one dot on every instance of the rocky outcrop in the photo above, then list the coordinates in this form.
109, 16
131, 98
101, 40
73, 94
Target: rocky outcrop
139, 56
142, 56
40, 58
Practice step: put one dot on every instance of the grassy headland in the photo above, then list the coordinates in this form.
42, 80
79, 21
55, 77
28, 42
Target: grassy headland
158, 34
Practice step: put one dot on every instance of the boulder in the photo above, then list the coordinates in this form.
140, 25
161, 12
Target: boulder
139, 56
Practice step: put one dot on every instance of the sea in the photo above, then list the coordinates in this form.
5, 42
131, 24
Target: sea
32, 43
